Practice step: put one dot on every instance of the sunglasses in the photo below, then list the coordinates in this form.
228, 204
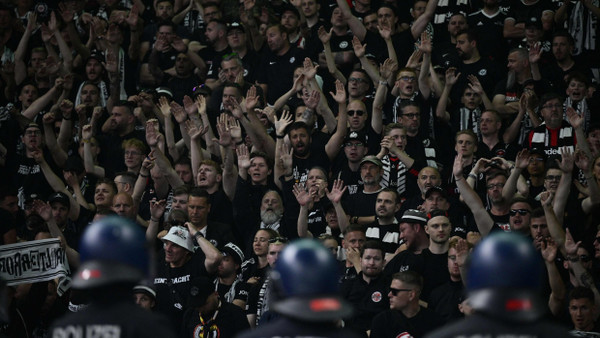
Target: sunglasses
521, 212
395, 291
282, 240
356, 112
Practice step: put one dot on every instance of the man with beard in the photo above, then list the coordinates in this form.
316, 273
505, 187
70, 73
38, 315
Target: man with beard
385, 227
163, 54
164, 13
412, 235
419, 145
198, 208
435, 256
276, 70
473, 64
488, 23
367, 291
554, 133
227, 284
362, 203
445, 299
347, 164
508, 91
427, 178
120, 126
564, 63
216, 37
184, 79
405, 317
94, 72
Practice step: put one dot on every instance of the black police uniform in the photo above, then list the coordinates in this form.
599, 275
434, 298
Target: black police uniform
287, 327
480, 325
112, 319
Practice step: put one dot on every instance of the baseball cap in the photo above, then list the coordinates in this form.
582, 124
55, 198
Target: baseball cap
164, 91
291, 8
60, 197
235, 25
356, 135
234, 251
437, 189
145, 289
200, 289
414, 216
180, 236
372, 159
97, 55
533, 22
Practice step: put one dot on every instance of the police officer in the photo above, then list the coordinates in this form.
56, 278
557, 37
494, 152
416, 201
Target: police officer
503, 280
305, 282
114, 258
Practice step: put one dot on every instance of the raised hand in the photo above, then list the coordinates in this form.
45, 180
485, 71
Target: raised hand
340, 93
546, 198
251, 99
385, 31
178, 112
425, 44
48, 118
388, 67
86, 132
310, 70
567, 160
225, 138
111, 65
313, 99
451, 76
193, 131
535, 53
302, 196
457, 168
235, 129
132, 18
178, 44
164, 106
522, 160
285, 159
570, 245
337, 191
201, 104
359, 48
243, 157
462, 252
43, 209
548, 249
324, 35
282, 123
152, 134
474, 84
157, 208
574, 118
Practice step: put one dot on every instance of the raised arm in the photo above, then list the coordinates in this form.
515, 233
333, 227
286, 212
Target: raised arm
421, 23
482, 218
88, 157
325, 37
334, 144
212, 254
557, 286
304, 199
335, 196
426, 47
441, 111
581, 274
360, 52
584, 163
564, 187
58, 155
355, 25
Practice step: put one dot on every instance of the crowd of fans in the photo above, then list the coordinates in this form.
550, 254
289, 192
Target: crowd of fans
397, 132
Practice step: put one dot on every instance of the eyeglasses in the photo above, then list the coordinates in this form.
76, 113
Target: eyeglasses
412, 116
536, 159
395, 291
356, 112
497, 185
281, 240
553, 177
521, 212
357, 79
407, 78
132, 153
550, 106
585, 258
33, 132
350, 144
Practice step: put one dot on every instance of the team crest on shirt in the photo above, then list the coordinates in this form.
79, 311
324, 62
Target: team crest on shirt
483, 72
292, 59
343, 44
500, 152
404, 335
376, 297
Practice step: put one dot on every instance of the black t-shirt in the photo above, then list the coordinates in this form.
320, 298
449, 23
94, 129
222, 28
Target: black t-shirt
230, 321
444, 300
490, 31
435, 274
405, 261
172, 285
287, 327
393, 323
277, 72
403, 44
368, 299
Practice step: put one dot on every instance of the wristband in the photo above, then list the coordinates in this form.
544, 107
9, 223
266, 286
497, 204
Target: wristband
198, 234
87, 140
66, 118
383, 83
153, 219
473, 176
458, 178
279, 136
144, 176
